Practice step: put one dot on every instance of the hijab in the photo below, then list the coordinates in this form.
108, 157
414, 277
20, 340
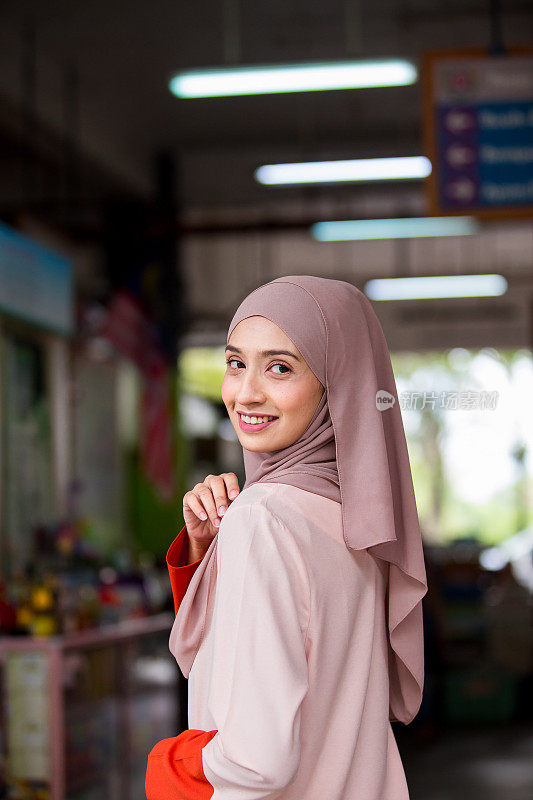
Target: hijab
353, 451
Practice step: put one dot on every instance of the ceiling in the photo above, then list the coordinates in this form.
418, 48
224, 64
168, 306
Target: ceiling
83, 88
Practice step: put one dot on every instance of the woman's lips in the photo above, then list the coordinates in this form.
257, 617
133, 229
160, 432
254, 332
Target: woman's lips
249, 428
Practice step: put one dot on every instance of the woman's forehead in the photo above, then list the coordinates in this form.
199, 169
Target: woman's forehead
283, 314
260, 327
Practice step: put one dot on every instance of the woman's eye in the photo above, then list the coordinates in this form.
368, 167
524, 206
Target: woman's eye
231, 361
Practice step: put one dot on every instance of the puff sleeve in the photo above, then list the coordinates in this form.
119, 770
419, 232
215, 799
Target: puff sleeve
258, 670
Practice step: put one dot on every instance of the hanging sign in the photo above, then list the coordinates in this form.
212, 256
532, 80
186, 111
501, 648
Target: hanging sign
478, 127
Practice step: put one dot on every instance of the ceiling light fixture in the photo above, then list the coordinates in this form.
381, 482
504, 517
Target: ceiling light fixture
355, 169
310, 77
407, 227
434, 286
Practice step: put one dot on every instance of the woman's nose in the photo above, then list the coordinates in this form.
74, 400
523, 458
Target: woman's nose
249, 390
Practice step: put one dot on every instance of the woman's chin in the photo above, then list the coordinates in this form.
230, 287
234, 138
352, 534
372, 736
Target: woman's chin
254, 444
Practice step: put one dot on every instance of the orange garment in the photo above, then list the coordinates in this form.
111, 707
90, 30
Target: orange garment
179, 571
174, 770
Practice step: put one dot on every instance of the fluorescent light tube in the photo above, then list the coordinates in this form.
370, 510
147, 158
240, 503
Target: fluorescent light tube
311, 77
407, 227
356, 169
434, 286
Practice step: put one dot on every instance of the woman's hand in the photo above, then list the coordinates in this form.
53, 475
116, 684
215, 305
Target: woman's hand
206, 503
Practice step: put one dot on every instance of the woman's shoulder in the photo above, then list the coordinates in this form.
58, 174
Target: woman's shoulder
250, 511
285, 505
255, 527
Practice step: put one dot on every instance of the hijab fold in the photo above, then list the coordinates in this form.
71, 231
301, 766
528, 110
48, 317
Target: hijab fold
353, 451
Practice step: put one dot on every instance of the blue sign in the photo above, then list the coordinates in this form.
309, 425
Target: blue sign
482, 121
36, 284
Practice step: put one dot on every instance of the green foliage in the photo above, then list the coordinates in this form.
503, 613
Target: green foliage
201, 371
444, 515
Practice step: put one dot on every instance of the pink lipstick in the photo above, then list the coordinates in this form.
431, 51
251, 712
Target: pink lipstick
249, 428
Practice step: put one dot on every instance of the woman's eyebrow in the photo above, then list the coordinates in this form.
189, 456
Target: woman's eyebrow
267, 352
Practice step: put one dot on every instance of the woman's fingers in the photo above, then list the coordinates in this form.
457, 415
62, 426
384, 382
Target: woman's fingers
232, 484
219, 487
207, 502
204, 493
191, 501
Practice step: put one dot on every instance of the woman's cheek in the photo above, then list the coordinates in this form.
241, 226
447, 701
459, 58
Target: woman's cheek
294, 399
225, 390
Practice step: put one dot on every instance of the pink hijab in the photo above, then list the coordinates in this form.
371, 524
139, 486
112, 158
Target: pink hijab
353, 451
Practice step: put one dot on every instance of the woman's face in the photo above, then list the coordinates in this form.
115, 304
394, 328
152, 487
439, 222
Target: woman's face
279, 384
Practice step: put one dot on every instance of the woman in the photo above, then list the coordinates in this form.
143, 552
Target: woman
300, 626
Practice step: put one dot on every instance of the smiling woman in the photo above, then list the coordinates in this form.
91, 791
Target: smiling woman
300, 628
272, 382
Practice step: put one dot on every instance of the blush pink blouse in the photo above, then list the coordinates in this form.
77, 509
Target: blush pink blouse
289, 688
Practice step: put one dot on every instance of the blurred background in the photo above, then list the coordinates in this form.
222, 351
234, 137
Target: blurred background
158, 162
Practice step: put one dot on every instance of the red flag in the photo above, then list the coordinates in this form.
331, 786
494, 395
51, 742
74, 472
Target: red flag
132, 333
